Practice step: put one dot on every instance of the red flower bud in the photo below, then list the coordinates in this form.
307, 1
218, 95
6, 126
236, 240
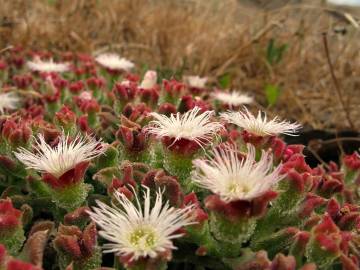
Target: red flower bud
282, 262
95, 83
200, 214
173, 88
125, 92
83, 123
80, 215
10, 217
79, 245
149, 96
76, 87
352, 162
131, 135
22, 81
65, 117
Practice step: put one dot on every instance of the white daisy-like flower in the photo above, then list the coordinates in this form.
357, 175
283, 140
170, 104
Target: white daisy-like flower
234, 179
47, 66
114, 62
196, 81
150, 79
233, 98
192, 125
260, 125
345, 2
140, 231
60, 159
8, 101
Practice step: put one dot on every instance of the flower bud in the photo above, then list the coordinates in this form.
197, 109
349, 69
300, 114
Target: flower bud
76, 87
11, 231
65, 118
325, 243
79, 247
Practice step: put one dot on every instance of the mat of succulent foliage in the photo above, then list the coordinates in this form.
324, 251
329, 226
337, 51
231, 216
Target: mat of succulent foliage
149, 33
103, 168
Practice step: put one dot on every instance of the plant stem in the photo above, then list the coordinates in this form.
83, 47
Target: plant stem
336, 82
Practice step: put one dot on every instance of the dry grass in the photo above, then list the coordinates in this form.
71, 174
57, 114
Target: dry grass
209, 37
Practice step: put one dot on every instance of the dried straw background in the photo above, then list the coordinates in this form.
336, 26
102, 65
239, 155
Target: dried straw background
208, 37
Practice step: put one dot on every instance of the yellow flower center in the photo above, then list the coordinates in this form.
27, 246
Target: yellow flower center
143, 238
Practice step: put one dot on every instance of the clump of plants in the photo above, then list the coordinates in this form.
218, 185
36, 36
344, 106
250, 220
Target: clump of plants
102, 168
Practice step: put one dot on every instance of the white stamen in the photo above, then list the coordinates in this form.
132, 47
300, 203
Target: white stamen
192, 125
196, 81
114, 62
234, 179
8, 101
48, 66
260, 125
233, 98
65, 156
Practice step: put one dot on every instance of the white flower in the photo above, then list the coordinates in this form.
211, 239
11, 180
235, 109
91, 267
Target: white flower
140, 231
196, 81
149, 80
191, 125
233, 98
260, 125
114, 62
48, 66
8, 101
234, 179
85, 95
65, 156
345, 2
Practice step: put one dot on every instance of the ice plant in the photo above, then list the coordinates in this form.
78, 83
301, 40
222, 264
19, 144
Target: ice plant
255, 202
233, 99
47, 66
114, 62
183, 135
233, 178
242, 189
139, 232
8, 101
260, 125
63, 167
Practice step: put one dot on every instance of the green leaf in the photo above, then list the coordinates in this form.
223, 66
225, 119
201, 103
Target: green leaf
274, 53
272, 93
225, 81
